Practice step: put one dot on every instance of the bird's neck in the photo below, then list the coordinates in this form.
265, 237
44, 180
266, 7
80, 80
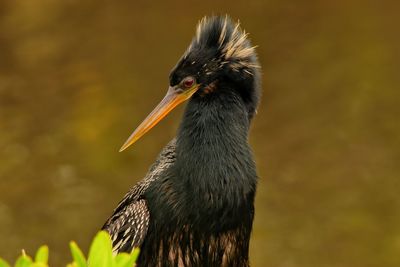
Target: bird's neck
213, 155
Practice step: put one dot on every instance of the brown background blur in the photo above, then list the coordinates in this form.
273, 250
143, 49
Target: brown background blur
76, 77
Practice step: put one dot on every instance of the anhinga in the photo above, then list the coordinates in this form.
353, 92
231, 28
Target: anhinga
195, 206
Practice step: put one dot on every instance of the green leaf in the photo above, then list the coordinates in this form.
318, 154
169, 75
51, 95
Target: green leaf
77, 255
100, 253
123, 260
42, 255
135, 254
23, 260
3, 263
127, 260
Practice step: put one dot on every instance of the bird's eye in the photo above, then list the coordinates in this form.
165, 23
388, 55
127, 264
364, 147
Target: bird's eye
188, 82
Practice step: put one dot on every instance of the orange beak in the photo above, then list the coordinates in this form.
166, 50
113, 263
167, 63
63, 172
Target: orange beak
173, 98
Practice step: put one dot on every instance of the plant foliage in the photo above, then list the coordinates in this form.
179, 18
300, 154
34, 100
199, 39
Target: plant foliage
100, 255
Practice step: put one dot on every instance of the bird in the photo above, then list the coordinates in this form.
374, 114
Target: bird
195, 206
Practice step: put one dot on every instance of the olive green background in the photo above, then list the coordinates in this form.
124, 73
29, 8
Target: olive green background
76, 77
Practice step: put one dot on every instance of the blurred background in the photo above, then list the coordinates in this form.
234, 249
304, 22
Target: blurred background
76, 77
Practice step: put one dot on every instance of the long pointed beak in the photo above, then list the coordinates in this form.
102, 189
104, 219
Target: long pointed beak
172, 99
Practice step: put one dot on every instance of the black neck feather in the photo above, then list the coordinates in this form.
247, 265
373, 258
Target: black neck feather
214, 160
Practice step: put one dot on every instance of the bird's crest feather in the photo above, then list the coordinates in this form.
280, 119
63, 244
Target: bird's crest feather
228, 37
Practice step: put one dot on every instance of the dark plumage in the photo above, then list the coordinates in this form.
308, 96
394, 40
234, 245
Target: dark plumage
195, 205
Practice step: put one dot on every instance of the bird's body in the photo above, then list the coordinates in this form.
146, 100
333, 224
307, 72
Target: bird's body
195, 206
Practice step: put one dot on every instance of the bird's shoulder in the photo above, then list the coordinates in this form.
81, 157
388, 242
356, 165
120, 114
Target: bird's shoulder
129, 221
164, 160
128, 228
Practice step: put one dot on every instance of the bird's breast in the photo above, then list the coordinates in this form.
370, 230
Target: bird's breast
201, 205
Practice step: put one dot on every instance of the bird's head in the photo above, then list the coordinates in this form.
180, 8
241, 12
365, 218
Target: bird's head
220, 57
